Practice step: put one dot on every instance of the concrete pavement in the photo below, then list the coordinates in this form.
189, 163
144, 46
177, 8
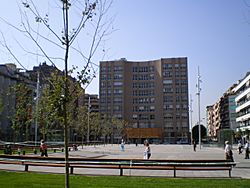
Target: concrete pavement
242, 169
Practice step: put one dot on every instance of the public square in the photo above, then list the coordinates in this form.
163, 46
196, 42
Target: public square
242, 169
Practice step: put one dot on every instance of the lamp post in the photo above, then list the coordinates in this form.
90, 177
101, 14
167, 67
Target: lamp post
37, 102
199, 113
88, 120
191, 116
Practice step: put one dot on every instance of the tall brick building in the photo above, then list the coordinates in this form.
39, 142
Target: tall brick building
152, 96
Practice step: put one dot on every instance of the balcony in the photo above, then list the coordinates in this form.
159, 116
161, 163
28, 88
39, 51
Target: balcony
242, 106
243, 118
241, 95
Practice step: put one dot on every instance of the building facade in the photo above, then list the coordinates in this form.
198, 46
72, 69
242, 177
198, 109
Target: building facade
221, 115
35, 80
152, 96
242, 99
10, 75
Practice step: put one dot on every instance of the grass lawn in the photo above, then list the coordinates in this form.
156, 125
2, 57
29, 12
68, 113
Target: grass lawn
30, 180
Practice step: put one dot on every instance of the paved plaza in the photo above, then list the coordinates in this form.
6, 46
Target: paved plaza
242, 169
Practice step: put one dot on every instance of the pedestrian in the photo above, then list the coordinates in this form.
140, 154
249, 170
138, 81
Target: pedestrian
122, 145
43, 149
75, 147
147, 151
194, 145
240, 147
247, 150
19, 151
228, 151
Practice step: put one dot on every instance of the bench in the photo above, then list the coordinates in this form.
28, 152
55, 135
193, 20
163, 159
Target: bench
121, 164
175, 165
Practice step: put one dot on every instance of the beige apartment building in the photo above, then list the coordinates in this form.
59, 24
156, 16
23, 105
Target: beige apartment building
152, 96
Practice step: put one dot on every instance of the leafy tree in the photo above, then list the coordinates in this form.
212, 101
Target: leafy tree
1, 110
81, 122
50, 109
22, 119
195, 132
106, 128
1, 105
112, 127
238, 135
95, 125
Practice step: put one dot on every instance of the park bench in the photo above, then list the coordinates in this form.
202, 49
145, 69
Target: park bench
121, 164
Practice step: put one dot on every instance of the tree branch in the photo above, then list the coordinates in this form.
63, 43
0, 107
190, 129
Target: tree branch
4, 44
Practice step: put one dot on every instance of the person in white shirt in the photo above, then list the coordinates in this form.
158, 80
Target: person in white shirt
228, 151
240, 147
147, 151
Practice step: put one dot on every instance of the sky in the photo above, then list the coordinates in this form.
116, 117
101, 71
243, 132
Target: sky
213, 34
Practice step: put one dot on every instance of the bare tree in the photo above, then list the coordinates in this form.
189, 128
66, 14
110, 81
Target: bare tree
58, 43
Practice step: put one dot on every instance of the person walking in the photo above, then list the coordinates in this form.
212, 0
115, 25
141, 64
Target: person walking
147, 151
122, 145
228, 151
43, 149
247, 150
240, 147
194, 145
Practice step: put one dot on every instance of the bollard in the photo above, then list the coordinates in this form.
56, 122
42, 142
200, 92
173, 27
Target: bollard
54, 150
23, 152
62, 150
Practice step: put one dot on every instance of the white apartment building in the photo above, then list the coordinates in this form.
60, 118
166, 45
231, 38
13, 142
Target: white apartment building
242, 91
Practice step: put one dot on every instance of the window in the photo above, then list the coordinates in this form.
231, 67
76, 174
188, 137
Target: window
167, 66
118, 83
117, 108
118, 91
118, 76
117, 99
167, 81
152, 108
118, 68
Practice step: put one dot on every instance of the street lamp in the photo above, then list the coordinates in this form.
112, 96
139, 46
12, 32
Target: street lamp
199, 113
37, 102
88, 120
191, 117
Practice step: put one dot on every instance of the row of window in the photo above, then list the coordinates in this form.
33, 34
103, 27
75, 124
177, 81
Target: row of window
143, 85
177, 107
143, 76
146, 100
176, 65
147, 124
143, 93
177, 82
108, 92
244, 87
171, 99
143, 108
109, 76
243, 100
143, 117
143, 69
108, 100
177, 90
170, 74
108, 68
244, 112
171, 117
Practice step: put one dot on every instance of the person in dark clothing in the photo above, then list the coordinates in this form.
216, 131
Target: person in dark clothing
43, 149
